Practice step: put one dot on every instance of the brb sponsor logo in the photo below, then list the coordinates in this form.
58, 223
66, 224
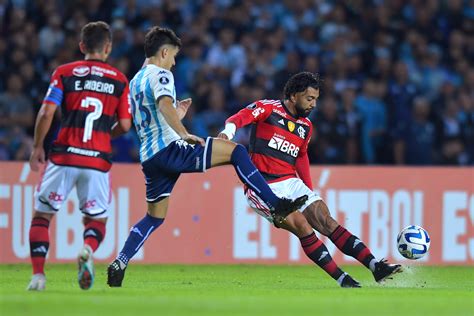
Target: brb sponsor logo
278, 142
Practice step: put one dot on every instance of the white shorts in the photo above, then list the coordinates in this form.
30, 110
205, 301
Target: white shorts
93, 190
290, 188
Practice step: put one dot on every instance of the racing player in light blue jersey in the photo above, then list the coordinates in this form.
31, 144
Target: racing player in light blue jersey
167, 149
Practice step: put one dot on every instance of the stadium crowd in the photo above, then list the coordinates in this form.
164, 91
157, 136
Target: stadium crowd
398, 76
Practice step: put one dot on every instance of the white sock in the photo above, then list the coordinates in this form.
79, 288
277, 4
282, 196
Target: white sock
372, 264
341, 278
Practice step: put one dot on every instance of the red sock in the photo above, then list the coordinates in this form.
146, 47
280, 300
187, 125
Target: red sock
39, 243
317, 251
94, 233
352, 246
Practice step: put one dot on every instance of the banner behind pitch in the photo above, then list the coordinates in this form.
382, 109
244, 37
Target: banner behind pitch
209, 221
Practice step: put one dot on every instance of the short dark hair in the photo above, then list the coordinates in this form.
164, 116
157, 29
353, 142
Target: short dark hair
95, 35
300, 82
157, 37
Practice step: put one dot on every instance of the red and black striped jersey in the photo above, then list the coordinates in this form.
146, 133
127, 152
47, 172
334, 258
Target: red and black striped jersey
93, 96
277, 139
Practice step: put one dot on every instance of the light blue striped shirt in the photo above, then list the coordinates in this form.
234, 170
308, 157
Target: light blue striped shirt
149, 84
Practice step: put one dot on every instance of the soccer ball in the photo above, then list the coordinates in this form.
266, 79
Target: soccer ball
413, 242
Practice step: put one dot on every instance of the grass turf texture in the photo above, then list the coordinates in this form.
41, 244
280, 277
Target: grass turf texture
238, 290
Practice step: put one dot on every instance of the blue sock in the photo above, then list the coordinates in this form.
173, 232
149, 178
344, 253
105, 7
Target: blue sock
249, 175
138, 234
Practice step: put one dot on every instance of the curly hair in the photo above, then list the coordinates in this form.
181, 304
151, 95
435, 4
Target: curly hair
157, 37
300, 82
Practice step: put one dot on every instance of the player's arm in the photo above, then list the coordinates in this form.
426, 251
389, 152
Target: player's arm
183, 107
163, 85
302, 162
124, 117
121, 127
52, 99
43, 123
167, 109
253, 113
302, 168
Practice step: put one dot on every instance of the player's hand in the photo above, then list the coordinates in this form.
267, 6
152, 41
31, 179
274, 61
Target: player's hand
193, 139
37, 158
222, 136
183, 107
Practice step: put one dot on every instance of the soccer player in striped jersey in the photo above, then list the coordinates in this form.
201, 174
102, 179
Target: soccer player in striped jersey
94, 102
278, 147
167, 149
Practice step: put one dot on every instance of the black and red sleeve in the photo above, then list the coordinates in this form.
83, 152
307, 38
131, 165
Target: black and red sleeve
302, 161
253, 113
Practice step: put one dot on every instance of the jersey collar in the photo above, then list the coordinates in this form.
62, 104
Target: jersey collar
96, 60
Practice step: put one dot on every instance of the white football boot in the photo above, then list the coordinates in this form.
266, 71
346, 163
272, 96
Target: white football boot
85, 275
37, 283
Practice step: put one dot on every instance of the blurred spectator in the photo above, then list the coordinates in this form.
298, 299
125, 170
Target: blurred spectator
353, 121
401, 94
451, 135
122, 41
373, 121
16, 119
467, 119
226, 57
189, 65
15, 107
211, 121
51, 36
416, 137
331, 139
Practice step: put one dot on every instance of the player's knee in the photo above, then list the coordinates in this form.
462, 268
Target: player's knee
47, 216
239, 148
87, 219
237, 151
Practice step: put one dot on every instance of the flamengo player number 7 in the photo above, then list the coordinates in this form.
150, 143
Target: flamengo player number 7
91, 117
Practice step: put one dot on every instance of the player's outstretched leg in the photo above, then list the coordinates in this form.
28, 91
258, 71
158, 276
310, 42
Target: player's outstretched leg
138, 235
315, 249
320, 219
94, 233
39, 245
354, 247
250, 176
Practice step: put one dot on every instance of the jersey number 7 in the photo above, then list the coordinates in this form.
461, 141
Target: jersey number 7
92, 116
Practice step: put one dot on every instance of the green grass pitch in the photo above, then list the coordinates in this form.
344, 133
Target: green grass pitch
239, 290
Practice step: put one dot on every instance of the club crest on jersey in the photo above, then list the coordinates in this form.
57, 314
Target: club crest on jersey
81, 71
291, 126
164, 80
301, 132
